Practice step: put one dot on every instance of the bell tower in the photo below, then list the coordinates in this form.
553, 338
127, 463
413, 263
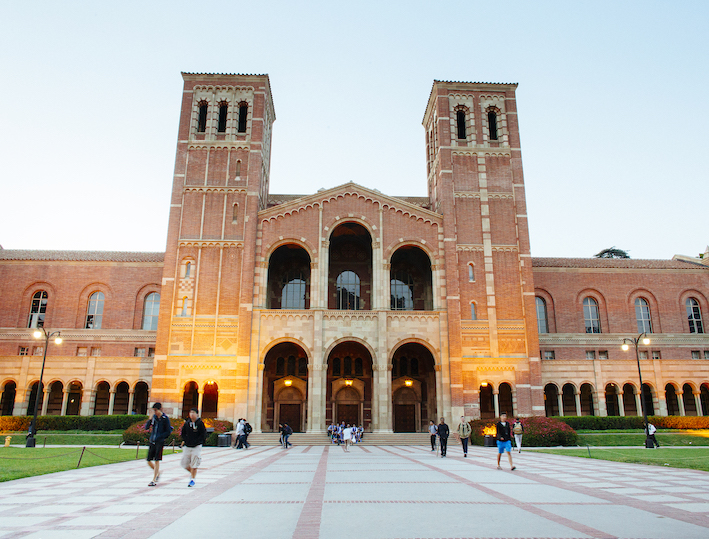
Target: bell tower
475, 181
220, 183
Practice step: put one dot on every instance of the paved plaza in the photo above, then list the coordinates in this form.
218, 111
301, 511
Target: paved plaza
370, 492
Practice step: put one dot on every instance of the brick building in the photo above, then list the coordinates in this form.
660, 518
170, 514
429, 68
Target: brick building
349, 304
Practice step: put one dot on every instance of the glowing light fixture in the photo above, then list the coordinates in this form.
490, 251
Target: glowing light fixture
625, 347
288, 383
646, 341
37, 334
348, 382
484, 384
409, 383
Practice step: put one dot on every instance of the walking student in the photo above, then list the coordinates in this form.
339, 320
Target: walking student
651, 434
287, 431
240, 434
503, 436
518, 431
432, 430
443, 433
464, 430
193, 435
159, 427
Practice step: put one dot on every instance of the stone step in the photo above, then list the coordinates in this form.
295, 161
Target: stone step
316, 438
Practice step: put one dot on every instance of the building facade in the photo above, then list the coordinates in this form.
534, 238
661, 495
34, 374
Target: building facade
349, 304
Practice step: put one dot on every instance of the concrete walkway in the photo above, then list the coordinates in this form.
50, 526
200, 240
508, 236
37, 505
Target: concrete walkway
371, 492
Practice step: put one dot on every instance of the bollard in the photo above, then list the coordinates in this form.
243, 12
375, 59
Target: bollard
81, 456
137, 450
45, 443
7, 441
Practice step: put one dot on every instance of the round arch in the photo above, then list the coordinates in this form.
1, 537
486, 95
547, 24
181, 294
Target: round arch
334, 223
415, 340
268, 347
270, 249
391, 249
341, 340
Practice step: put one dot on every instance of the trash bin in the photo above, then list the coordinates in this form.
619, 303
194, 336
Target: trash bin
490, 441
223, 440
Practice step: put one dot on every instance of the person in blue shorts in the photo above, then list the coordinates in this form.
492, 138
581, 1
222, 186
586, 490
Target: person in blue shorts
503, 435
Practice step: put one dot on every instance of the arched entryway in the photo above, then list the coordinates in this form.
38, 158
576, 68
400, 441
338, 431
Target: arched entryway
140, 399
210, 400
56, 395
349, 385
630, 406
33, 398
9, 391
704, 398
671, 400
504, 399
289, 278
648, 400
413, 386
73, 402
551, 400
487, 401
349, 283
120, 402
587, 399
285, 388
190, 398
102, 399
690, 405
612, 400
411, 283
568, 399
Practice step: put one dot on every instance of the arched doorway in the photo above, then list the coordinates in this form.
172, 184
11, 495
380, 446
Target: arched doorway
568, 399
411, 282
120, 401
671, 400
285, 387
704, 398
289, 278
56, 395
190, 398
9, 391
487, 401
73, 403
413, 376
504, 399
350, 268
33, 399
648, 400
587, 399
630, 406
690, 405
210, 400
349, 385
140, 399
551, 400
102, 398
612, 400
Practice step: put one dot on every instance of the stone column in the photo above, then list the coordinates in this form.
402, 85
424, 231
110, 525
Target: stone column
316, 404
680, 401
560, 402
577, 398
111, 401
65, 400
131, 394
45, 400
698, 402
638, 403
258, 411
495, 402
200, 399
621, 406
87, 401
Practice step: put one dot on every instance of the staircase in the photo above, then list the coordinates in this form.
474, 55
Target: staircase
317, 438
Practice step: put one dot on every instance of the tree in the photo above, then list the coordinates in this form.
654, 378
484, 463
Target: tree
612, 252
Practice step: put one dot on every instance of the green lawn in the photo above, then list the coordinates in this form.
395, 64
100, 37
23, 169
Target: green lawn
678, 438
69, 437
696, 458
17, 462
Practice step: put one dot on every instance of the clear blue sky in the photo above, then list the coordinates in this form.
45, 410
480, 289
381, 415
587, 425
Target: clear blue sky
611, 97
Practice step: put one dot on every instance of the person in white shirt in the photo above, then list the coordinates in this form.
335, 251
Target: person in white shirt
651, 434
347, 438
432, 430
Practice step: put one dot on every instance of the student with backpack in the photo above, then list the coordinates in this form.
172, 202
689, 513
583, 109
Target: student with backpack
247, 431
287, 431
518, 431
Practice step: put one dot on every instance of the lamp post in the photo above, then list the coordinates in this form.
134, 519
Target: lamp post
39, 332
635, 341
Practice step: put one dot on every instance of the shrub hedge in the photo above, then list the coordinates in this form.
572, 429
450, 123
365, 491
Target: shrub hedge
137, 433
589, 422
70, 422
538, 432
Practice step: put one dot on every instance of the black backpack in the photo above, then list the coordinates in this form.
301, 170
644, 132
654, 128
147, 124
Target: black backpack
288, 430
247, 428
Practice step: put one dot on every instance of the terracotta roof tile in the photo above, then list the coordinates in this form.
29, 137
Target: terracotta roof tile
602, 263
81, 256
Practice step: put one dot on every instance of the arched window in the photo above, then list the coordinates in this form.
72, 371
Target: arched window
402, 291
590, 316
188, 270
243, 111
348, 366
235, 214
403, 367
293, 291
202, 119
358, 367
302, 367
642, 315
694, 315
151, 309
291, 365
492, 124
184, 307
414, 366
38, 309
336, 366
223, 109
542, 320
94, 312
238, 169
460, 124
280, 366
471, 273
348, 291
473, 314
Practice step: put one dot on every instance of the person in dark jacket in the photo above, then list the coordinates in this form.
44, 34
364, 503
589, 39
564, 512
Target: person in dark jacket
193, 435
443, 433
503, 436
159, 428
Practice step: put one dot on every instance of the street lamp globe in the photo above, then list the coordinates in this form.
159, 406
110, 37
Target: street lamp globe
646, 341
58, 340
37, 334
625, 347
